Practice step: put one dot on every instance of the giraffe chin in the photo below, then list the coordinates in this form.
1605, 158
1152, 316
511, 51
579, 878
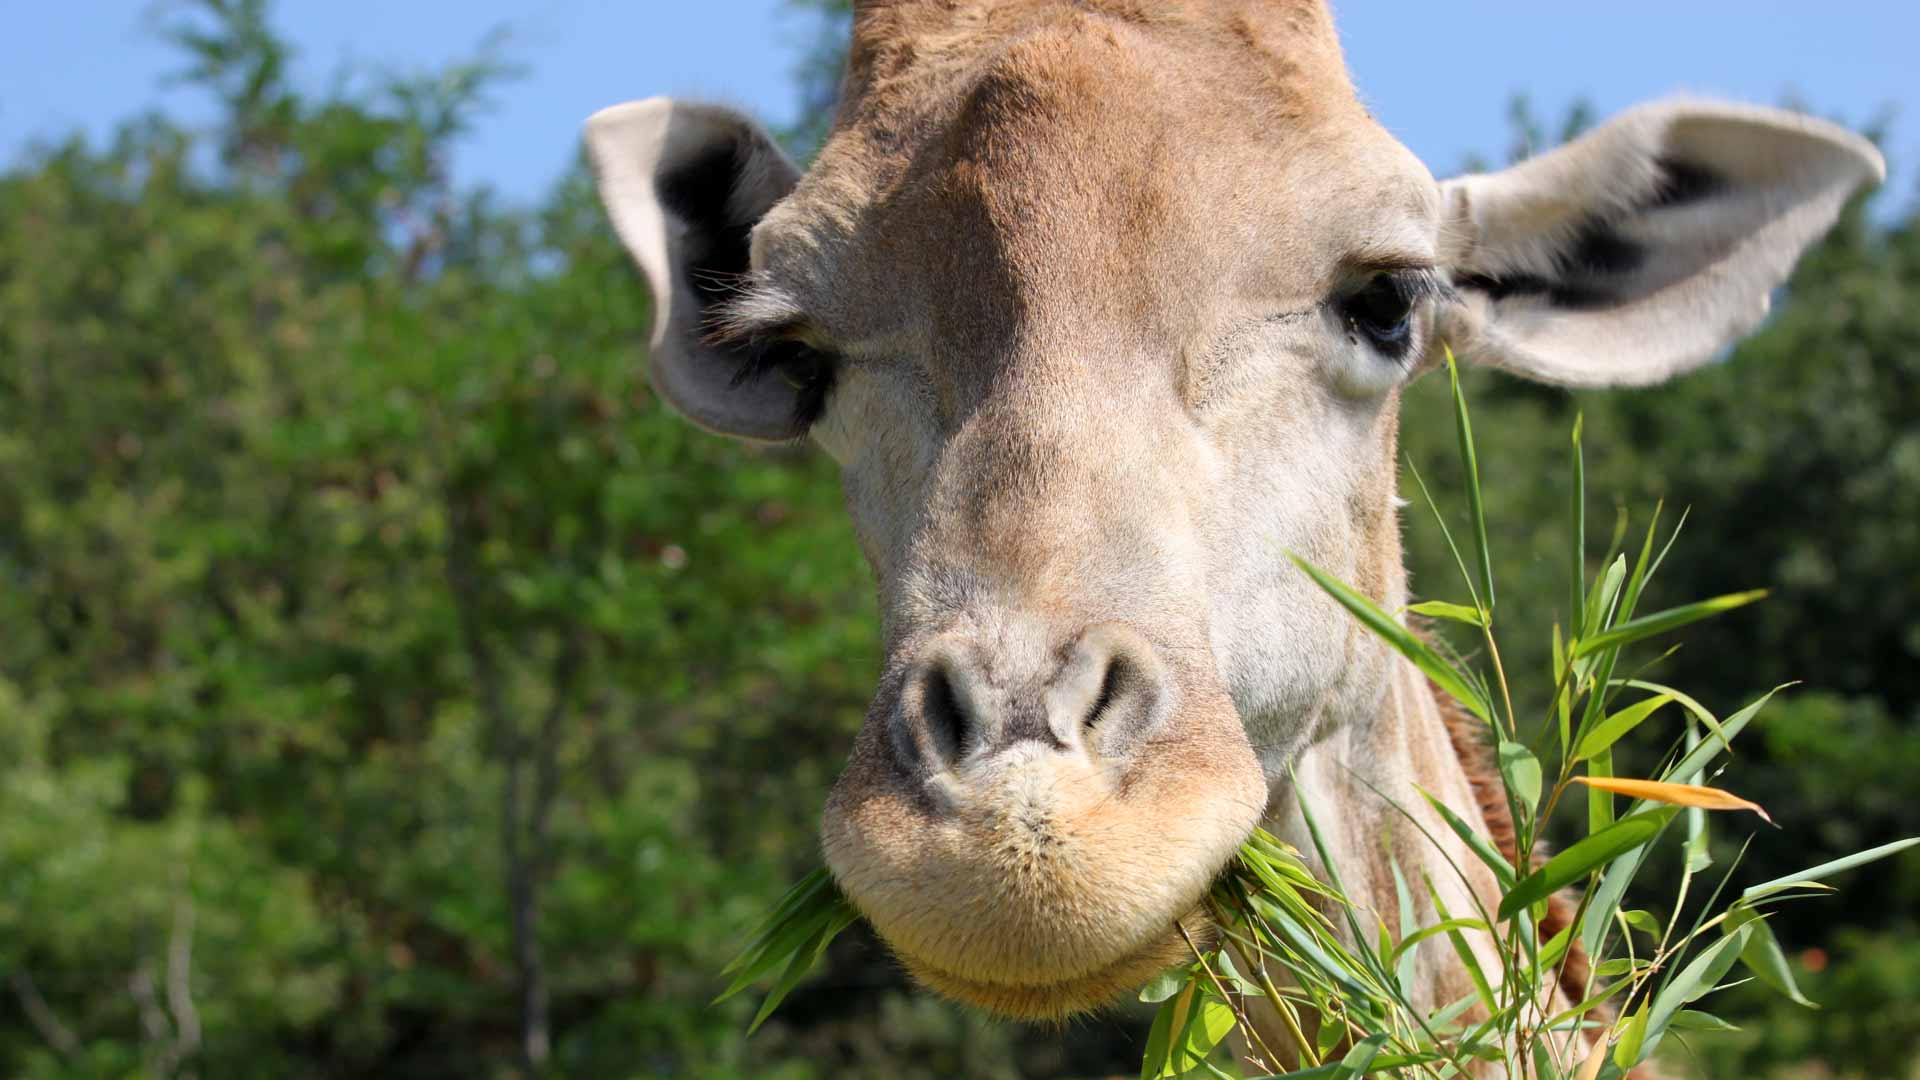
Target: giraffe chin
1044, 1001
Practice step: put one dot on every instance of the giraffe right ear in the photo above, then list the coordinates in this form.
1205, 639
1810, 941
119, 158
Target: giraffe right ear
685, 184
1645, 247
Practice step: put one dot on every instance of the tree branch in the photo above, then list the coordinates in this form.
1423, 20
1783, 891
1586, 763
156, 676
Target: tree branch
41, 1015
186, 1018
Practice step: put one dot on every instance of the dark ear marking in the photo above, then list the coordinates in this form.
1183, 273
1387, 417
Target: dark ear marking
1598, 249
718, 254
700, 193
1560, 294
1682, 183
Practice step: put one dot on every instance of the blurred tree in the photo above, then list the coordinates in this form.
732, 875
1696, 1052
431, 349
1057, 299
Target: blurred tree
385, 673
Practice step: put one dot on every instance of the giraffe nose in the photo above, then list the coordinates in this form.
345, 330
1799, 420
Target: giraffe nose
1102, 696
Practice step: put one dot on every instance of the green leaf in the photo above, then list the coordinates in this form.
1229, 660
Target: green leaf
1604, 734
1359, 1060
1695, 1020
1642, 921
1440, 609
1521, 770
1230, 976
1606, 899
1165, 985
1463, 950
1700, 712
1660, 622
1472, 465
1626, 1052
1581, 858
802, 962
1476, 843
1828, 869
1576, 612
1403, 640
1444, 927
1693, 982
1764, 957
1446, 533
1698, 757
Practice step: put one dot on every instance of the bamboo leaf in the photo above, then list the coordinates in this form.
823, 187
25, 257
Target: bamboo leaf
1164, 985
1475, 842
1604, 734
1764, 957
1403, 640
1691, 983
1521, 770
1695, 1020
1465, 429
1828, 869
1706, 798
1626, 1052
1660, 622
1581, 858
1440, 609
1700, 712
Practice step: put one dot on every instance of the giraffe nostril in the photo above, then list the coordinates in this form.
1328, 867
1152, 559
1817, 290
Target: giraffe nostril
943, 717
1111, 685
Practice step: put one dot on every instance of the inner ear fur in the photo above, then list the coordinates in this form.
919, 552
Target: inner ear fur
685, 184
1645, 247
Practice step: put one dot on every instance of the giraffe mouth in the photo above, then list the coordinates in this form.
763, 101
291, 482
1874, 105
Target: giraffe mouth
1062, 998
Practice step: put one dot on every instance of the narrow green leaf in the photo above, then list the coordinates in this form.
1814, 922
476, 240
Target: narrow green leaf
1581, 858
1463, 950
1764, 957
1641, 571
1647, 626
1699, 711
1403, 640
1563, 701
1695, 1020
1600, 604
1154, 1062
1446, 533
1599, 801
1828, 869
1521, 770
1435, 930
1604, 734
1576, 611
1440, 609
1626, 1052
1359, 1060
1475, 842
1405, 969
1472, 465
1693, 982
1165, 985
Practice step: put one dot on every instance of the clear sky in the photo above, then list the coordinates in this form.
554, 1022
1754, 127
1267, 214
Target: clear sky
1438, 74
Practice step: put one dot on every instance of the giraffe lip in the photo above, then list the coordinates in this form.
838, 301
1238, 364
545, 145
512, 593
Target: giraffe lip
1057, 999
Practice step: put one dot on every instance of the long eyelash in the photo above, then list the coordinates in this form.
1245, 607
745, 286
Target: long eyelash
809, 371
1416, 285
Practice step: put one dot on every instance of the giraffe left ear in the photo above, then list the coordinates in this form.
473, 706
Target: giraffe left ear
1643, 248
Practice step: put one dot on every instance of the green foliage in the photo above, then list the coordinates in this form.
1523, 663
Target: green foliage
379, 653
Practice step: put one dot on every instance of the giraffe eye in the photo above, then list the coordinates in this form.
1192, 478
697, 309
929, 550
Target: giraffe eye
1382, 310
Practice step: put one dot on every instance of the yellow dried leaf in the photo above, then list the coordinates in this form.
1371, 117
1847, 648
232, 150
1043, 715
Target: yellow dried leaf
1695, 795
1591, 1067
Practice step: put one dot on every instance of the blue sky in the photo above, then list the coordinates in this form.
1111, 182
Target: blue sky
1438, 74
